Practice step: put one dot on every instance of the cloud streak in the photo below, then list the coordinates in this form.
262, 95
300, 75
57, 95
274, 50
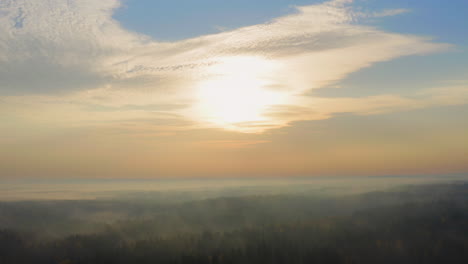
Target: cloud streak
64, 60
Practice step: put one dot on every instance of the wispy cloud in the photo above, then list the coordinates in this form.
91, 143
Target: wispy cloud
58, 58
391, 12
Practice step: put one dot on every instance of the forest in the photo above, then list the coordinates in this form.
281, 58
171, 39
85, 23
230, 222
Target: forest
406, 224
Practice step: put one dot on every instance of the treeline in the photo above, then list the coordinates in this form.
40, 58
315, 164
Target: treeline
417, 225
411, 233
140, 218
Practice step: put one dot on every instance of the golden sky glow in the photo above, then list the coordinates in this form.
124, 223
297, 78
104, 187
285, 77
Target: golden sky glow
83, 96
238, 91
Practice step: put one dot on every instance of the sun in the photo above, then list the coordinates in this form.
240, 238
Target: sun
237, 93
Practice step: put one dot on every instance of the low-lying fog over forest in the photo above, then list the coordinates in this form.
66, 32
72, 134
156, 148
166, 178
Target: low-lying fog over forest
233, 132
321, 220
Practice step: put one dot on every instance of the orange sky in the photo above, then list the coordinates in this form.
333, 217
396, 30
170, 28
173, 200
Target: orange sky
83, 97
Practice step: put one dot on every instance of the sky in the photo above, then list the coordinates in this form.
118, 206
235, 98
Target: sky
219, 89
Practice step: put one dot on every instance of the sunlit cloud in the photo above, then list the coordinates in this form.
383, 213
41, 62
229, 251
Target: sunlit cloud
70, 62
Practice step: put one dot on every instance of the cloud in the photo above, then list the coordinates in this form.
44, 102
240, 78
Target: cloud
319, 108
73, 53
390, 12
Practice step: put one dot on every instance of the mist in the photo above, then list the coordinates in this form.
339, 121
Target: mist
318, 220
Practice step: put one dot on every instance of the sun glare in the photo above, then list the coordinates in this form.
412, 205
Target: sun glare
237, 93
